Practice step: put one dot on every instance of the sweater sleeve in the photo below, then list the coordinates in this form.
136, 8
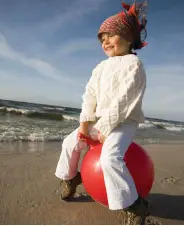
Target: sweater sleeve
131, 90
89, 100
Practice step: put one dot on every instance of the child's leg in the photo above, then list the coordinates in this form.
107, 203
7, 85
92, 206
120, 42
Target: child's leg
120, 187
69, 158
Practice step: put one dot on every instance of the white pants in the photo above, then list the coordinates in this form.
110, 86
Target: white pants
120, 187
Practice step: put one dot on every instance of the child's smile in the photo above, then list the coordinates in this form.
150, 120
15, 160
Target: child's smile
114, 45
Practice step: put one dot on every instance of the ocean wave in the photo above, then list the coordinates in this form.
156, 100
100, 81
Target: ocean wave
175, 128
32, 113
169, 127
39, 114
44, 115
145, 125
13, 110
162, 126
60, 109
159, 125
54, 108
69, 117
30, 138
38, 131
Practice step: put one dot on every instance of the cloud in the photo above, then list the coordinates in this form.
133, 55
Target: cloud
44, 68
80, 44
75, 13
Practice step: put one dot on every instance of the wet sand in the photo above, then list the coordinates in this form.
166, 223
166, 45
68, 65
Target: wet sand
29, 191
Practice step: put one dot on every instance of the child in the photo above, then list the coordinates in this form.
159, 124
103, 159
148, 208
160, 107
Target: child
111, 113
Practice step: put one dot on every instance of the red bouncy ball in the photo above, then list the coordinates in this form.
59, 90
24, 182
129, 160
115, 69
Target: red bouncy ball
138, 163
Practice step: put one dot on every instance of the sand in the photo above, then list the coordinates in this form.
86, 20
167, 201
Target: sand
29, 191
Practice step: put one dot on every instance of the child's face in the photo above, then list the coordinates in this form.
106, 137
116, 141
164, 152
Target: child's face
114, 45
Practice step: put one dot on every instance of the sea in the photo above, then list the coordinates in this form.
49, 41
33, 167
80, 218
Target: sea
39, 125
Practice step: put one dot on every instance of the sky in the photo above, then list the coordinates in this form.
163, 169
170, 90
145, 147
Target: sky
48, 49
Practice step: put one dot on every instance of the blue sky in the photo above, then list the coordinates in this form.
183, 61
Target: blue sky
48, 49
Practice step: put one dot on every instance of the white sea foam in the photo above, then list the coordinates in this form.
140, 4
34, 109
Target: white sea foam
62, 109
162, 125
175, 128
54, 108
69, 117
146, 124
23, 111
16, 110
171, 127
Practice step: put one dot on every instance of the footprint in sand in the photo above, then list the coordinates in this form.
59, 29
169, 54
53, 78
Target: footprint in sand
170, 180
152, 221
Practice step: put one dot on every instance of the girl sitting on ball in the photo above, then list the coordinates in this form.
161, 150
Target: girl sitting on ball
112, 111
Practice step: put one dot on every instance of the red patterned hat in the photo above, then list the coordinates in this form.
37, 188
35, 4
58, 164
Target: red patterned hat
127, 24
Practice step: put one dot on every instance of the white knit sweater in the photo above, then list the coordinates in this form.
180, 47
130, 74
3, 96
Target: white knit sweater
114, 93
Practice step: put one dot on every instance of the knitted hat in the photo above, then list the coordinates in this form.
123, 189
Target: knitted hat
127, 24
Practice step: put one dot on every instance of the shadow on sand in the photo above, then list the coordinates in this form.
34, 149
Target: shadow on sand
161, 205
167, 206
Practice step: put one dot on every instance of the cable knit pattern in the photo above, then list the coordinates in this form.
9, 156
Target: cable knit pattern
114, 93
89, 100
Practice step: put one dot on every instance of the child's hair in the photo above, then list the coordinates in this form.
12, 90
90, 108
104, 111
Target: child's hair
127, 24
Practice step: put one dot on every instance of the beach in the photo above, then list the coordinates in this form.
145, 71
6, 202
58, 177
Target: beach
29, 190
31, 136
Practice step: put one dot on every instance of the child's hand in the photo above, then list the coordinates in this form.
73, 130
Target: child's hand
82, 137
86, 139
82, 141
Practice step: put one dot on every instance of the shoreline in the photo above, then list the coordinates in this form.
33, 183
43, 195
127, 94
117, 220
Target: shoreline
23, 147
29, 191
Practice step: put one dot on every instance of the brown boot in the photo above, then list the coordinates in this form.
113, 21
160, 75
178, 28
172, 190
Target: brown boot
68, 187
136, 213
